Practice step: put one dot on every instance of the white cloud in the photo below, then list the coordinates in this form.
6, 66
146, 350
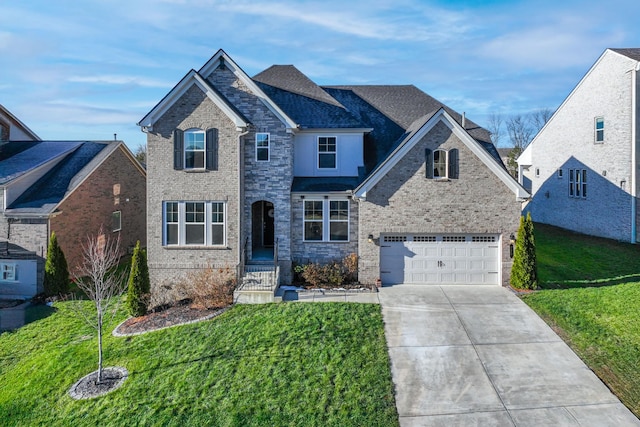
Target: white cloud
108, 79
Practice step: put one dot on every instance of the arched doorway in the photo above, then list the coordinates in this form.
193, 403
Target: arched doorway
262, 230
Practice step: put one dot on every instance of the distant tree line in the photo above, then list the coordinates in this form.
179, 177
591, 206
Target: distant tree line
520, 130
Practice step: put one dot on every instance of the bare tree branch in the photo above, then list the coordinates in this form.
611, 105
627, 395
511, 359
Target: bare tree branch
495, 128
540, 117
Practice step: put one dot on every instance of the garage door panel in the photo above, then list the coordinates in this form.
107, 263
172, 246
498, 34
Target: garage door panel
432, 260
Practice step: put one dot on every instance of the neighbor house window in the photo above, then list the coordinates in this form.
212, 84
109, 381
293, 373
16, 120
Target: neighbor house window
8, 272
599, 129
194, 223
326, 220
326, 152
194, 149
578, 183
441, 164
116, 221
560, 173
262, 147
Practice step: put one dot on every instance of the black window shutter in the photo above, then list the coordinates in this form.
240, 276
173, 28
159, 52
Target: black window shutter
212, 149
178, 149
453, 164
428, 161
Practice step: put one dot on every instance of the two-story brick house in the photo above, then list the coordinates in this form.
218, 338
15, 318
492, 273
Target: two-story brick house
248, 169
582, 167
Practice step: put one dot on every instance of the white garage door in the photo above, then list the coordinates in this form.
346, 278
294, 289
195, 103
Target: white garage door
440, 259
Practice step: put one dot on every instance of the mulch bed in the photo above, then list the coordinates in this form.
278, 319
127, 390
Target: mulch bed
172, 316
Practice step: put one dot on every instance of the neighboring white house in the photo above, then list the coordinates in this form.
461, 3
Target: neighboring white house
582, 167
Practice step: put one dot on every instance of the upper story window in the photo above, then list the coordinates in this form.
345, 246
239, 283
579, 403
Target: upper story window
326, 152
326, 220
578, 183
441, 164
262, 147
599, 129
194, 223
116, 221
195, 149
8, 272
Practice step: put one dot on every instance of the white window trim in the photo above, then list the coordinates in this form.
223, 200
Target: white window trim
182, 224
335, 153
268, 147
203, 150
6, 267
596, 130
114, 229
326, 220
446, 163
575, 183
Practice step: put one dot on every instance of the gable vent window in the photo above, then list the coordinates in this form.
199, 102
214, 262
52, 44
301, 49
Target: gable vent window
441, 164
195, 149
599, 130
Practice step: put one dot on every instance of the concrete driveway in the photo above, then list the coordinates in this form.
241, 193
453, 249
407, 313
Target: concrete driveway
479, 356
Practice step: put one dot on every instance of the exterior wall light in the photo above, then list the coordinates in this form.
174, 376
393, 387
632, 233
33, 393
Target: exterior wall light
370, 238
512, 241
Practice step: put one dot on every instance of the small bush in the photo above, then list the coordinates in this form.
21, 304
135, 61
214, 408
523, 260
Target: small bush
210, 287
56, 272
332, 274
138, 284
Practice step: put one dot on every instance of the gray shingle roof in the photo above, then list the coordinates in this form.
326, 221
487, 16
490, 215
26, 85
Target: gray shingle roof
21, 162
633, 53
290, 79
44, 195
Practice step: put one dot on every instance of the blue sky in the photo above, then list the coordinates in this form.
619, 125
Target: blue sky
89, 69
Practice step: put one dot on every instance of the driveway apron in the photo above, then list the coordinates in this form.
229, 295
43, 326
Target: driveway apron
478, 355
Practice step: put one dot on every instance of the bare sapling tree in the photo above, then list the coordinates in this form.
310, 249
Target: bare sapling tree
98, 278
494, 127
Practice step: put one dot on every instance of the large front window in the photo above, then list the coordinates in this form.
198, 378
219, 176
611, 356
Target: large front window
327, 152
194, 223
326, 220
194, 149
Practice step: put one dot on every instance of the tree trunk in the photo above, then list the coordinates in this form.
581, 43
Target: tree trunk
99, 349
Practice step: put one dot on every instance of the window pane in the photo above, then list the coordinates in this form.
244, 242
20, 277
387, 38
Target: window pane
339, 231
194, 141
439, 164
194, 212
172, 234
262, 154
217, 234
194, 234
172, 212
217, 212
338, 210
262, 139
194, 159
116, 223
313, 230
327, 161
313, 210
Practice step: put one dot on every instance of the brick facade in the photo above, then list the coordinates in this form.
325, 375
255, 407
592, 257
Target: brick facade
404, 201
568, 142
116, 185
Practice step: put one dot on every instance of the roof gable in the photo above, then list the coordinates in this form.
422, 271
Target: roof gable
16, 122
190, 79
632, 53
415, 134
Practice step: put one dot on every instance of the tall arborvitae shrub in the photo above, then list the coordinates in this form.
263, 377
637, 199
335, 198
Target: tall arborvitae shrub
138, 285
56, 272
524, 273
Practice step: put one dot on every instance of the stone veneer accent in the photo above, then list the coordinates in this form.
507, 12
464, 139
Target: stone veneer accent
404, 201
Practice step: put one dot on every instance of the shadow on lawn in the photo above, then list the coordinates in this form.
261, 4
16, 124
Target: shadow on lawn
15, 317
595, 283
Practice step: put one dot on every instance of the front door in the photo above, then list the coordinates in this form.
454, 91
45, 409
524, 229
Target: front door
262, 230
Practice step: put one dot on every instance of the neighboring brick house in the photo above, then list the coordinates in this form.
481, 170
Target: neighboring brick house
582, 167
72, 188
244, 170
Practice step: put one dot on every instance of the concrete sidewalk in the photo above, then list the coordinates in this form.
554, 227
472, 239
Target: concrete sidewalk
477, 355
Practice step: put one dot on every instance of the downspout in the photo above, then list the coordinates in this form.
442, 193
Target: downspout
634, 142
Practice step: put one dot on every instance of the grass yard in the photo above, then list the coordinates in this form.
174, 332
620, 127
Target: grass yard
600, 323
255, 365
567, 259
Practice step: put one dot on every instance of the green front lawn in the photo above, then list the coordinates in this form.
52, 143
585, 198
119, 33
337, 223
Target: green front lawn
263, 365
567, 259
601, 323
